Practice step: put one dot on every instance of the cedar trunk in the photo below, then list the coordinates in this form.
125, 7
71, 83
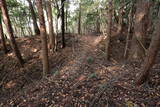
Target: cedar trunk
2, 36
66, 19
43, 38
129, 33
109, 31
63, 24
98, 25
10, 31
34, 18
79, 20
50, 21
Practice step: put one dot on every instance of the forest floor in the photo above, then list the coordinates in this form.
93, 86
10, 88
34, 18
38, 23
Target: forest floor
80, 76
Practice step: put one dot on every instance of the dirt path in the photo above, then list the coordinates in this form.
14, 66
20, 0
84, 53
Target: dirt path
82, 78
86, 46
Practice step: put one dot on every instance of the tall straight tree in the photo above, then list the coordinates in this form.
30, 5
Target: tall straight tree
151, 55
79, 18
63, 24
98, 25
43, 38
10, 31
66, 16
129, 34
50, 21
120, 17
109, 30
2, 35
34, 18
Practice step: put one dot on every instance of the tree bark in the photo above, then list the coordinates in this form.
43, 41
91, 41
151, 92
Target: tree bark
2, 36
120, 18
151, 55
98, 25
63, 24
29, 29
129, 34
79, 20
66, 19
109, 30
50, 21
43, 38
10, 31
138, 41
34, 18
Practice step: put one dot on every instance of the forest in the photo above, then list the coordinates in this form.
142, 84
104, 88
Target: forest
79, 53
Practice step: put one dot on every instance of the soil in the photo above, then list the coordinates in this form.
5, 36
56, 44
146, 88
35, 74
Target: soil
79, 76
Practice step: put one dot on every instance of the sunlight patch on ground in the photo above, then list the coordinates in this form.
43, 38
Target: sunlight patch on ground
97, 40
101, 71
34, 50
10, 54
113, 68
10, 84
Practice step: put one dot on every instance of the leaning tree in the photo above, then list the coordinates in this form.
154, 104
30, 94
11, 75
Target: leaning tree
7, 22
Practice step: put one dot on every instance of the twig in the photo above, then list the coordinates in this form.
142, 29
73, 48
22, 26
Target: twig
107, 85
78, 83
142, 45
1, 83
97, 97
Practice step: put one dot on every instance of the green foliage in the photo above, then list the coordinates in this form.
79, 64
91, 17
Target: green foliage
19, 13
93, 75
12, 3
90, 60
92, 11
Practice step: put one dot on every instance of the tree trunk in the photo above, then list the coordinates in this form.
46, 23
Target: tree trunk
56, 35
36, 29
151, 55
120, 22
98, 25
63, 24
2, 36
66, 19
79, 20
15, 28
120, 17
23, 33
50, 21
138, 41
29, 29
43, 38
10, 31
109, 30
128, 38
